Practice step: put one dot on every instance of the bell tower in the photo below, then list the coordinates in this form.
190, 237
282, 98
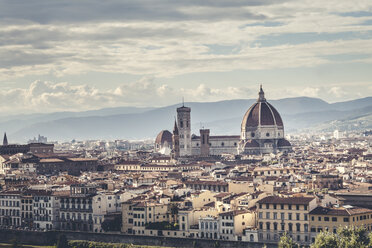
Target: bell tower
184, 127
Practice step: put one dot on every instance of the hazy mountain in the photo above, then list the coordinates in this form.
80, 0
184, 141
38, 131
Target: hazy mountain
223, 117
13, 123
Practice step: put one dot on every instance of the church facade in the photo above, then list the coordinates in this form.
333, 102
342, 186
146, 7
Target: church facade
262, 132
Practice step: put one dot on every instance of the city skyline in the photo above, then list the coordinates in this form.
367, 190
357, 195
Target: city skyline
76, 56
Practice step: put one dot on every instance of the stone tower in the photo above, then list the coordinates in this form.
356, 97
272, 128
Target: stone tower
175, 141
184, 127
204, 140
5, 140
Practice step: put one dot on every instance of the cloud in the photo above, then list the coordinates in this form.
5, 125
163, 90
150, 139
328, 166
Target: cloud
43, 96
168, 38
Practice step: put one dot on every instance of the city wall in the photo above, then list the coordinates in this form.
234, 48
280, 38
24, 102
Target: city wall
50, 238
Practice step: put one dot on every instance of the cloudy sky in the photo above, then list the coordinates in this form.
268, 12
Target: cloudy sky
79, 55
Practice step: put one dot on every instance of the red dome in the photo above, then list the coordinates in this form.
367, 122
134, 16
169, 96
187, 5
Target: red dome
163, 136
261, 113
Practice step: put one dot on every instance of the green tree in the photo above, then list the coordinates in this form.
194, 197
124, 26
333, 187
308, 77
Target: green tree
325, 240
346, 237
62, 242
287, 242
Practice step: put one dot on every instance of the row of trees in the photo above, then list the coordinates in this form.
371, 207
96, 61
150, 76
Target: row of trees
346, 237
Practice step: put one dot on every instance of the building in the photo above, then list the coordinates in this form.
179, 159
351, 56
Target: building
331, 218
278, 215
45, 210
262, 131
328, 181
184, 129
163, 142
10, 208
76, 208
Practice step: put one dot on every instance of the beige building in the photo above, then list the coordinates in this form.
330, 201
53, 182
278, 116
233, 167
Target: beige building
329, 219
277, 215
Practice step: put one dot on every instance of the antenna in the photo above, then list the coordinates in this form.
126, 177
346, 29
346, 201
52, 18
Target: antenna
183, 102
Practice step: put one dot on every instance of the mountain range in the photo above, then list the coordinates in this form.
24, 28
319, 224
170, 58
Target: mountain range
222, 117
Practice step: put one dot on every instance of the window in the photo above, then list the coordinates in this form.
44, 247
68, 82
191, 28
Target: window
289, 206
267, 134
282, 216
267, 206
261, 225
267, 215
346, 219
275, 226
275, 216
334, 219
297, 216
305, 216
297, 207
281, 206
290, 227
319, 218
326, 218
274, 206
289, 216
259, 215
268, 226
298, 227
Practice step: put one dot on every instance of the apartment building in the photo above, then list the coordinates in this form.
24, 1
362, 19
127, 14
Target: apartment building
331, 218
10, 208
277, 215
76, 208
45, 210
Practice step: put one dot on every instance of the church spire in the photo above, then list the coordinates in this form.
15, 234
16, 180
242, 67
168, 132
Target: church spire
261, 95
5, 140
175, 129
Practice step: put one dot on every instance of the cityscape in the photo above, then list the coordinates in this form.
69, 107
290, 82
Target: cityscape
186, 124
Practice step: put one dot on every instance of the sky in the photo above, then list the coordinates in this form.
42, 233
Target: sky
70, 55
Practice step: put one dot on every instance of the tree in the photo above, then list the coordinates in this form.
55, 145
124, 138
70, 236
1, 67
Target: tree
174, 211
346, 237
62, 242
287, 242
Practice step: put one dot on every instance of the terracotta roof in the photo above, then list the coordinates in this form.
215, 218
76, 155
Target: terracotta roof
251, 143
283, 142
163, 136
261, 113
286, 200
340, 211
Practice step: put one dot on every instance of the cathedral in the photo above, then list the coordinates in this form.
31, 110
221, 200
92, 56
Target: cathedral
262, 132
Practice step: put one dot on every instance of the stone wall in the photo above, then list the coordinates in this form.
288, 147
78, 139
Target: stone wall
50, 238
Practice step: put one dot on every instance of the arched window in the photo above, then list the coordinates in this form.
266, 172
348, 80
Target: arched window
251, 237
267, 134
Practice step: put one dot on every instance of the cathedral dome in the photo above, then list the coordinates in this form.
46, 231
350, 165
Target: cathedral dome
261, 114
164, 136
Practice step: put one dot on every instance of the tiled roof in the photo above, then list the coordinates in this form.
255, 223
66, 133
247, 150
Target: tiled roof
286, 200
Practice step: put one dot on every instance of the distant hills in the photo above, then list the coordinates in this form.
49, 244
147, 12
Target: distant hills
223, 117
